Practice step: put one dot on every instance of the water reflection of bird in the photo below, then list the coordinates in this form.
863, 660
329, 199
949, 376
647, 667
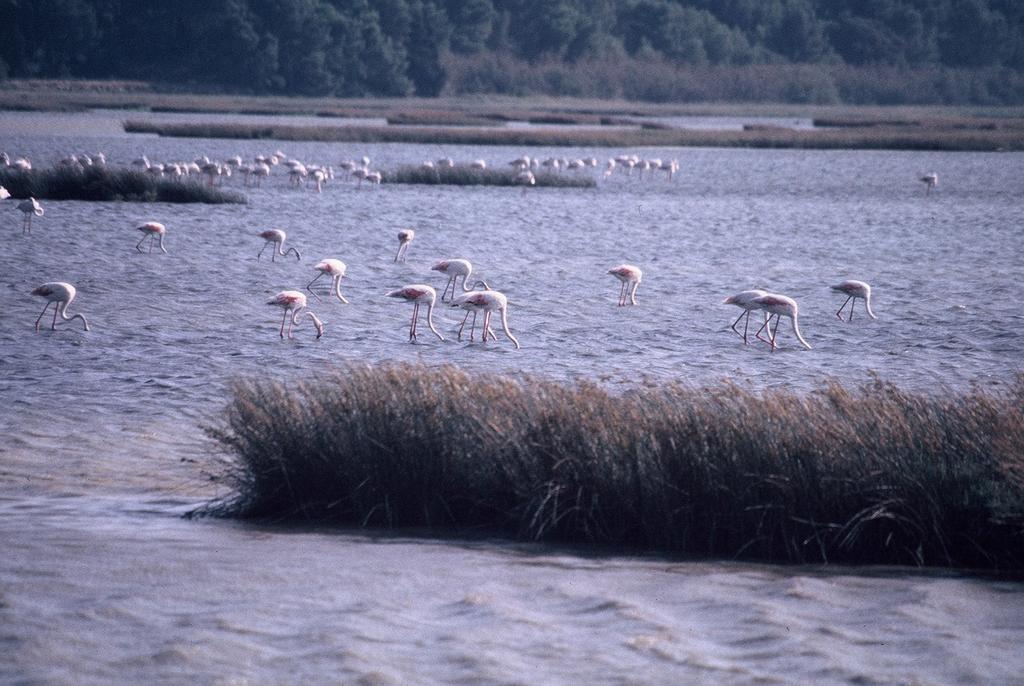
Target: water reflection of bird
778, 306
154, 231
61, 294
294, 304
930, 181
453, 269
405, 237
748, 301
630, 276
488, 302
276, 237
418, 294
29, 208
333, 268
853, 289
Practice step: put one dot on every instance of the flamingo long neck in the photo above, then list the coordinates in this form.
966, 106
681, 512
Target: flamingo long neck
796, 330
430, 320
297, 315
504, 325
867, 306
62, 308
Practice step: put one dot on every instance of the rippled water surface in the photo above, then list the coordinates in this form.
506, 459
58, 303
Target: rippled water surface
101, 446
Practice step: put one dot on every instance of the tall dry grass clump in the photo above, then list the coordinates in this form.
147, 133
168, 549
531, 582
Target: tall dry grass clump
462, 175
106, 184
873, 474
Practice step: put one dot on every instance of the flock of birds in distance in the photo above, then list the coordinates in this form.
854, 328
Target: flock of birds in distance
479, 298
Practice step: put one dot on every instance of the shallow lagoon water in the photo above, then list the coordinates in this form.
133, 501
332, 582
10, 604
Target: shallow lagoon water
102, 450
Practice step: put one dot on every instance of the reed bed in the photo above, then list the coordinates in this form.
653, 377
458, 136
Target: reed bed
468, 176
873, 474
106, 184
865, 137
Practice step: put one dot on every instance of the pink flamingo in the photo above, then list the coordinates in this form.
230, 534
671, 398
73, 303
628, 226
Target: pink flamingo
405, 237
778, 306
453, 269
277, 237
748, 301
471, 307
487, 302
334, 268
630, 277
294, 303
418, 294
853, 289
60, 294
29, 208
152, 231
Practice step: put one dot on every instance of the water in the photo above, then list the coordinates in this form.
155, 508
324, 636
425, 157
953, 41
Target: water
102, 450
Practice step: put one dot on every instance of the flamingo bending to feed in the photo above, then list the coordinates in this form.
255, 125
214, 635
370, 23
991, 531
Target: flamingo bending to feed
487, 302
334, 268
418, 294
405, 237
630, 277
930, 181
778, 306
153, 231
853, 289
453, 269
748, 301
470, 308
29, 208
294, 303
60, 294
277, 237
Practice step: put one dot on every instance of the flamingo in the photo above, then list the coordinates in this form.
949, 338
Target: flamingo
453, 269
930, 181
778, 306
405, 237
418, 294
336, 269
29, 208
277, 237
4, 193
60, 294
630, 277
488, 302
748, 301
152, 231
471, 307
853, 289
294, 302
525, 178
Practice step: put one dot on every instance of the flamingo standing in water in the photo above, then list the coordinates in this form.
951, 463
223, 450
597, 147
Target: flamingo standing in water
930, 181
748, 301
487, 302
853, 289
294, 303
453, 269
29, 208
630, 277
418, 294
334, 268
470, 308
153, 231
4, 193
405, 237
778, 306
60, 294
276, 236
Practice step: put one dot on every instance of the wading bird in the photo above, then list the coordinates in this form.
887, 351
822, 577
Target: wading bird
405, 237
630, 277
853, 289
453, 269
4, 193
154, 231
333, 268
29, 208
276, 236
294, 304
748, 301
930, 181
60, 294
778, 306
418, 294
487, 302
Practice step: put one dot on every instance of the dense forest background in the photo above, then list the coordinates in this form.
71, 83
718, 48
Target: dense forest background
821, 51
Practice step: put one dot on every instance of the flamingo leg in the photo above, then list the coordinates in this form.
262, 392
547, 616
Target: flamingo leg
41, 314
853, 306
840, 310
151, 237
463, 324
743, 335
285, 317
138, 246
260, 253
311, 283
56, 311
622, 294
412, 325
757, 334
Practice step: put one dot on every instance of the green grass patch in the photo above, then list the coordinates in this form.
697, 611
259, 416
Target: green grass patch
106, 184
869, 475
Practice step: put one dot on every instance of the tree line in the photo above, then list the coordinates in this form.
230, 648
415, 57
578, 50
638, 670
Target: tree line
353, 48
